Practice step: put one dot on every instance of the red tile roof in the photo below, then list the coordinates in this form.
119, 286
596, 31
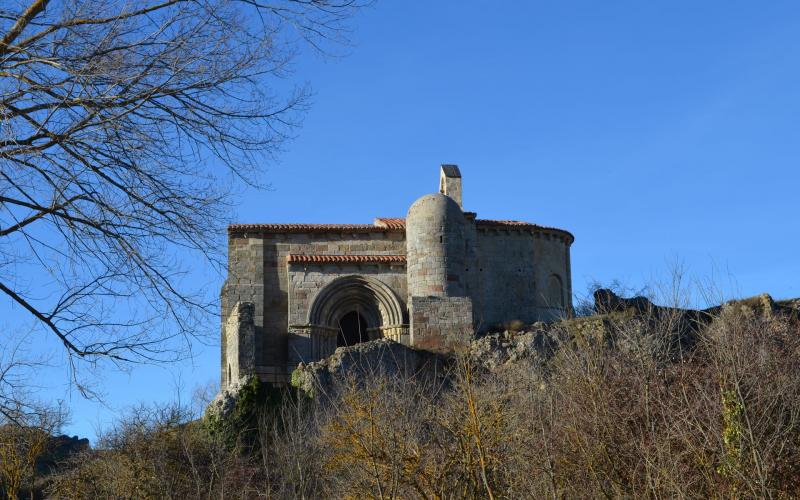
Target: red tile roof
346, 259
391, 222
308, 228
401, 223
515, 223
381, 225
520, 225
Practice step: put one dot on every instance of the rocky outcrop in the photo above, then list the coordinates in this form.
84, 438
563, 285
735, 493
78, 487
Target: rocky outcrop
224, 403
606, 301
368, 359
58, 450
386, 357
497, 350
534, 342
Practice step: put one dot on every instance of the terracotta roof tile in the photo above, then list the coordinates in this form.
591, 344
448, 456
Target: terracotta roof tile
308, 228
520, 225
346, 259
381, 225
391, 222
489, 222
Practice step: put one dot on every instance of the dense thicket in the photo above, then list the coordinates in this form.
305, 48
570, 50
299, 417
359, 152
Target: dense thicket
626, 413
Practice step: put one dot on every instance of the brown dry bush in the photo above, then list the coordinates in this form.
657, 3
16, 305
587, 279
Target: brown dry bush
374, 437
755, 361
407, 438
625, 413
611, 415
622, 410
157, 452
290, 451
25, 444
20, 448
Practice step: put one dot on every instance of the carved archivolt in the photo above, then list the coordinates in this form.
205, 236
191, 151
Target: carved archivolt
374, 300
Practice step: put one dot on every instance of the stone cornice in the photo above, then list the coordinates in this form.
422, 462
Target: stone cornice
242, 229
387, 225
346, 259
484, 224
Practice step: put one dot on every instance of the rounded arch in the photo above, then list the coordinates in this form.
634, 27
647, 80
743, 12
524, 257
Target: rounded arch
374, 300
555, 291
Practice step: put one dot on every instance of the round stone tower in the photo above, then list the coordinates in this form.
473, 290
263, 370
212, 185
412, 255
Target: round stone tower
435, 258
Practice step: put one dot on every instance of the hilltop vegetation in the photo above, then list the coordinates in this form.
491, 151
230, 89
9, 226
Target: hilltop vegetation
639, 401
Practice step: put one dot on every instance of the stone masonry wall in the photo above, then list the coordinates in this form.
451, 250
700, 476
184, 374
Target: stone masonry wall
506, 270
552, 258
435, 229
258, 273
306, 280
441, 324
513, 268
238, 346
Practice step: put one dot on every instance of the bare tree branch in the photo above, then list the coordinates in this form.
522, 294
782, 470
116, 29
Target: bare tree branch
124, 124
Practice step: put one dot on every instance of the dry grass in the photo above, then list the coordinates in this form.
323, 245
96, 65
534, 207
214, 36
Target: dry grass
626, 414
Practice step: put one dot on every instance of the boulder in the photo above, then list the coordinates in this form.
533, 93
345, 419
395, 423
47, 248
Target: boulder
368, 359
496, 350
224, 402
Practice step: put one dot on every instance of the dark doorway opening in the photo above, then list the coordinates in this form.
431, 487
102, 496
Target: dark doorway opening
352, 330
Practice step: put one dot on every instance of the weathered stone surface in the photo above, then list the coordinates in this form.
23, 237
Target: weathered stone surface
238, 333
388, 358
480, 273
435, 232
606, 301
381, 357
533, 343
497, 350
441, 324
225, 401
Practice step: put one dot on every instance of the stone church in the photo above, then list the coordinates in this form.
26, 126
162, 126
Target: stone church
296, 292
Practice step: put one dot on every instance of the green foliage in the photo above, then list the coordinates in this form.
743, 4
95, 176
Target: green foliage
239, 429
297, 378
732, 432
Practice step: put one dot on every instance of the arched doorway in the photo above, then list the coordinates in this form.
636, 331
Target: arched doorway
352, 309
352, 329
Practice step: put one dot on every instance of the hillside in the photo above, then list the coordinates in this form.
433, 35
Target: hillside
637, 400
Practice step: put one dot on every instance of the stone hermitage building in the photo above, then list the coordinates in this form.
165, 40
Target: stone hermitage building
296, 292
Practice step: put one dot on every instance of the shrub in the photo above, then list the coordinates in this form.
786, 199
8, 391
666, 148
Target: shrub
619, 408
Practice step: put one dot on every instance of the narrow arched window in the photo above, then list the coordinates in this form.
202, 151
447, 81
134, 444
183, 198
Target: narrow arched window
555, 291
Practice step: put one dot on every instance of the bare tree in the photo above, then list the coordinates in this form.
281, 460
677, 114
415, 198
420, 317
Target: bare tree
124, 127
18, 368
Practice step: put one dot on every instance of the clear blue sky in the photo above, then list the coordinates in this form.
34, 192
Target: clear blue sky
653, 131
